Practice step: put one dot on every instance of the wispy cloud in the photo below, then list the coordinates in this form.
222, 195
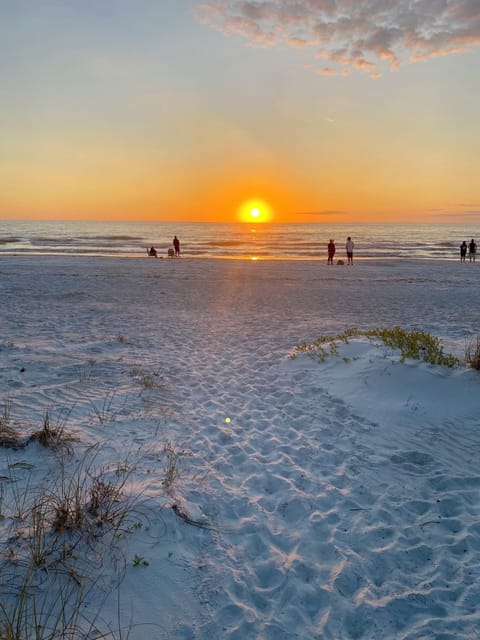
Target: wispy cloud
352, 35
457, 214
320, 213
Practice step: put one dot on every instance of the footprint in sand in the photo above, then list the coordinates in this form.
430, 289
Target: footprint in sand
415, 462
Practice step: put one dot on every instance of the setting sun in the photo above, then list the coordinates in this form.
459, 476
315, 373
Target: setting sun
255, 210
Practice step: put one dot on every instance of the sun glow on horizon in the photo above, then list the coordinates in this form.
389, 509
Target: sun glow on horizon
255, 211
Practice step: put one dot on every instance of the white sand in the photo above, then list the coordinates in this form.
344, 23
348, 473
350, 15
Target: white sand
341, 499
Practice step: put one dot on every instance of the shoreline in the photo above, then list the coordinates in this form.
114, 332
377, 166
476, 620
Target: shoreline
252, 258
204, 241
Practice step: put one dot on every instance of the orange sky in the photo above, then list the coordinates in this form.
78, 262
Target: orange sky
175, 120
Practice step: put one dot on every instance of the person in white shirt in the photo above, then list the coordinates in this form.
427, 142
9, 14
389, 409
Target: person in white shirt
349, 247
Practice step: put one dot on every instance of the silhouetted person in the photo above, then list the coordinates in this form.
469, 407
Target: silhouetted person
152, 252
176, 246
463, 251
349, 247
472, 250
331, 251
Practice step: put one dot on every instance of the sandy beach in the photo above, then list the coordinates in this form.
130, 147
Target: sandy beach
264, 497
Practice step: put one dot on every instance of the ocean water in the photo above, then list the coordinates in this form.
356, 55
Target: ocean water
240, 241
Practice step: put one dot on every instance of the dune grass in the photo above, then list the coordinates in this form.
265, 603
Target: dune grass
472, 353
53, 436
417, 345
51, 531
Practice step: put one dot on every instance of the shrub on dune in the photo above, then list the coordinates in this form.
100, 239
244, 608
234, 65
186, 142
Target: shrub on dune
418, 345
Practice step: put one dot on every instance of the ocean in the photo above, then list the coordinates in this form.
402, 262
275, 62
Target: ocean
235, 241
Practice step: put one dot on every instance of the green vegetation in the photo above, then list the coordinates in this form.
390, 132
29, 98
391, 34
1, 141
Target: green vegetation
418, 345
139, 561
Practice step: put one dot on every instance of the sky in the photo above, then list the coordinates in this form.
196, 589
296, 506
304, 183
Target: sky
219, 110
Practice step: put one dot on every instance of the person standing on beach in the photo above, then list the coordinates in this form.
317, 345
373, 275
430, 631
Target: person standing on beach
176, 246
349, 247
463, 251
472, 250
331, 251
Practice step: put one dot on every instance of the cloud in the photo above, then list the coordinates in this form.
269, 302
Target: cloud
457, 214
364, 35
320, 213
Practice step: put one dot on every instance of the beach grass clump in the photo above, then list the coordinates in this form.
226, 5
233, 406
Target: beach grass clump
50, 607
324, 346
30, 616
172, 466
315, 350
105, 503
86, 507
60, 535
78, 507
52, 436
6, 413
86, 371
148, 379
88, 504
472, 353
417, 345
9, 438
107, 411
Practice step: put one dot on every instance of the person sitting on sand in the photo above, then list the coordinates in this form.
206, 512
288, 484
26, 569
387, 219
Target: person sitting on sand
152, 252
463, 251
472, 250
331, 251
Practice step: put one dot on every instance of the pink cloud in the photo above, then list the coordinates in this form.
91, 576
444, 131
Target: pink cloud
365, 35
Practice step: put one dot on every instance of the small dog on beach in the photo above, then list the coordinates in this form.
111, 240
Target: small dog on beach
340, 262
171, 253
